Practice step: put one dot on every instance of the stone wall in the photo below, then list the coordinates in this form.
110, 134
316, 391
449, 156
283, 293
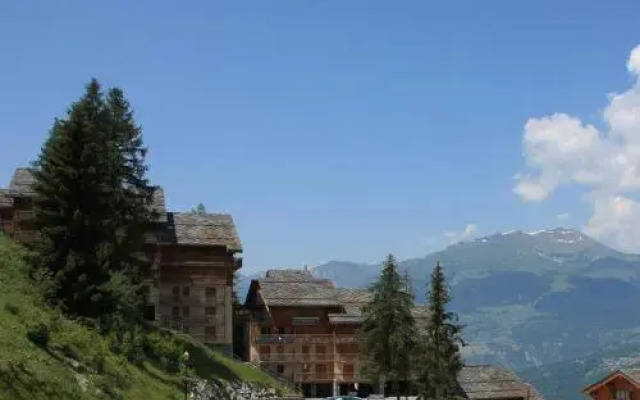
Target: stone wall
222, 390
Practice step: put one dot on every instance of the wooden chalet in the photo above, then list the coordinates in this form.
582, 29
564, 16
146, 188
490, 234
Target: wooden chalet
194, 258
623, 384
306, 330
490, 382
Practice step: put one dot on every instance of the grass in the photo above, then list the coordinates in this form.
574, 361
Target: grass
44, 355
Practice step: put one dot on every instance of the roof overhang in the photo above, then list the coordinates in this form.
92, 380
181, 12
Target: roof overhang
614, 375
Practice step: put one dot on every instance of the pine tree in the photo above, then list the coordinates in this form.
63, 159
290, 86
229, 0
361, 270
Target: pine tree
92, 206
133, 204
440, 352
73, 203
388, 330
199, 209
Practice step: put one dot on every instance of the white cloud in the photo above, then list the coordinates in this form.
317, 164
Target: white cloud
560, 149
562, 217
469, 231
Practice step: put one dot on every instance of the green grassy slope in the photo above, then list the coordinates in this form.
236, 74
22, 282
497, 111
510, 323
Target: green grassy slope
77, 363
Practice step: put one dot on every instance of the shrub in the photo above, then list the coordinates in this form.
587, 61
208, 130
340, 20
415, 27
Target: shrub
39, 335
11, 308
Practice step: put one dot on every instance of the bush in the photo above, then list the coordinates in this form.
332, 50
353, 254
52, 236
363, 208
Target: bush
11, 308
39, 335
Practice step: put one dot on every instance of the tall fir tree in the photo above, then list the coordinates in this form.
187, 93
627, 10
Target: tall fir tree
73, 205
133, 201
92, 205
440, 358
387, 335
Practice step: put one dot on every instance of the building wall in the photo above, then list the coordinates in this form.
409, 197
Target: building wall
22, 219
194, 292
206, 311
305, 354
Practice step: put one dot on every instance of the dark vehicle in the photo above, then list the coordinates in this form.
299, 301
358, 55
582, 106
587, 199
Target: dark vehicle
343, 398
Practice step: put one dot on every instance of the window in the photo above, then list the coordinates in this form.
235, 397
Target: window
320, 349
280, 331
622, 394
265, 330
175, 312
176, 291
280, 369
210, 311
210, 293
305, 349
185, 311
209, 333
145, 291
185, 291
321, 370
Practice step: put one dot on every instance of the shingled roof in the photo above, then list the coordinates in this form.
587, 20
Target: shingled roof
22, 181
5, 201
631, 375
296, 288
493, 382
21, 184
299, 288
200, 230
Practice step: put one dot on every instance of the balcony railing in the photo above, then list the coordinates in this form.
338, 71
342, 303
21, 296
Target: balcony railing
305, 339
325, 377
306, 357
194, 301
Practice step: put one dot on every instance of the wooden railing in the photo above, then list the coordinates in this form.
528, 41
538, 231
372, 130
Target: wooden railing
325, 376
305, 339
304, 357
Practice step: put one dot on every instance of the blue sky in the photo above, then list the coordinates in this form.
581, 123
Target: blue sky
328, 129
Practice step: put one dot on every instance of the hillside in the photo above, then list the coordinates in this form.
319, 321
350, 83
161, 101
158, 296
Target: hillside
45, 356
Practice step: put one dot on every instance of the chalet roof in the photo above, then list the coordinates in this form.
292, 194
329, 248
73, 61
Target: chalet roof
200, 229
5, 201
288, 287
299, 288
633, 375
352, 301
493, 382
21, 185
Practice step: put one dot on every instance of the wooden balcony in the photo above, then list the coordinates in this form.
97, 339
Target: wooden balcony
319, 377
305, 339
192, 301
306, 357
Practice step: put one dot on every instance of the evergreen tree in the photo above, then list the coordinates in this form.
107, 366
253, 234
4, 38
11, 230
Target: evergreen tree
134, 198
92, 206
440, 353
199, 210
388, 330
73, 206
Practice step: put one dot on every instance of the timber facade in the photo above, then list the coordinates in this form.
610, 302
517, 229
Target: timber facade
306, 330
194, 258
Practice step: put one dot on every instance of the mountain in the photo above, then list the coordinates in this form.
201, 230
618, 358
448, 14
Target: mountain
528, 298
